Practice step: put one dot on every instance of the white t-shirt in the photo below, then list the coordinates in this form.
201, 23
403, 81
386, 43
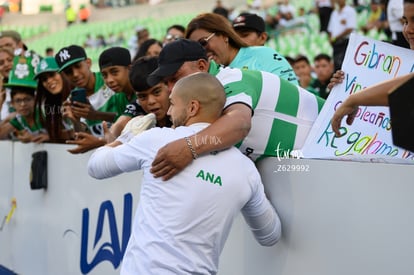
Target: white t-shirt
323, 3
181, 225
395, 10
342, 20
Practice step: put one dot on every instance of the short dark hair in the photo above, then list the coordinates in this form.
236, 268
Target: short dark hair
21, 90
302, 58
140, 70
181, 28
322, 56
290, 59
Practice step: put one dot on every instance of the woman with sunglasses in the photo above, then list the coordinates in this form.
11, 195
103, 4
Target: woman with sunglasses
53, 88
174, 32
216, 34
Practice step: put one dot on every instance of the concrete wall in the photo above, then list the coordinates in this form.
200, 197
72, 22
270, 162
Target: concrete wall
338, 218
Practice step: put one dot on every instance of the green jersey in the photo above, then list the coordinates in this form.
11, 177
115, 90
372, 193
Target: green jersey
264, 59
104, 100
283, 113
116, 104
19, 122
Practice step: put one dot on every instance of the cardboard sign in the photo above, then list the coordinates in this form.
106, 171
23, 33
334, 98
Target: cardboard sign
366, 62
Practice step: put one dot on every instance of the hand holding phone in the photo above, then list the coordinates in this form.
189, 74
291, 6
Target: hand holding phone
79, 95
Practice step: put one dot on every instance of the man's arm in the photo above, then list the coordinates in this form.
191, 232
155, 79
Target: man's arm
376, 95
230, 128
261, 216
87, 142
110, 161
102, 164
5, 129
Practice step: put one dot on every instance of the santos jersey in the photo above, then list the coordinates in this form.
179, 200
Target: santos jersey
104, 100
20, 123
98, 99
264, 59
283, 113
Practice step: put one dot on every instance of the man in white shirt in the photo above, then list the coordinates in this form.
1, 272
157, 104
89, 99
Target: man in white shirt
181, 225
395, 21
343, 21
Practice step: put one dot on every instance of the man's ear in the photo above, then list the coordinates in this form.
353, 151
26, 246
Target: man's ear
263, 37
203, 65
89, 62
193, 108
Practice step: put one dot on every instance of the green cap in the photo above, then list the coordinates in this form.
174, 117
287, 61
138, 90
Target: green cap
47, 64
23, 72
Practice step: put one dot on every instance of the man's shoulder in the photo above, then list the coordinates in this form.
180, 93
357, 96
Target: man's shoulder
166, 133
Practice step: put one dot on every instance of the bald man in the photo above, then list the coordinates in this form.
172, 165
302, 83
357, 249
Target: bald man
181, 225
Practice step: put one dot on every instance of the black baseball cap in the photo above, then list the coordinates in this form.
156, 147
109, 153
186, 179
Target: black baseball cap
249, 21
67, 56
115, 56
173, 56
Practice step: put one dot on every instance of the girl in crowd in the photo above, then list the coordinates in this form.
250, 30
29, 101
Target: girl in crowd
53, 88
151, 47
216, 34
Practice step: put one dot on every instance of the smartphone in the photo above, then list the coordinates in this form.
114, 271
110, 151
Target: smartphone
79, 95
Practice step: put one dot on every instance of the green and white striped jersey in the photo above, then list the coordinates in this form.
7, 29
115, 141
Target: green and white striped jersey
19, 122
283, 113
104, 100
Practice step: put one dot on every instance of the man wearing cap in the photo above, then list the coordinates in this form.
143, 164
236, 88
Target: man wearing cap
251, 29
114, 64
180, 227
74, 63
151, 99
269, 115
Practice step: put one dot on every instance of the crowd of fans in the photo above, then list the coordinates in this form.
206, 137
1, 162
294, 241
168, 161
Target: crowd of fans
36, 100
270, 100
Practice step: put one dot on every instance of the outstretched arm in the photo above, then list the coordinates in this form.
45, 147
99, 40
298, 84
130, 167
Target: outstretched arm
230, 128
376, 95
102, 164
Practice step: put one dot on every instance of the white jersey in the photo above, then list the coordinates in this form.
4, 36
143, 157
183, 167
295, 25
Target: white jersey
181, 225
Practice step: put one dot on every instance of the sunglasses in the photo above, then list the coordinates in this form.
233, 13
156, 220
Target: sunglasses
172, 37
204, 41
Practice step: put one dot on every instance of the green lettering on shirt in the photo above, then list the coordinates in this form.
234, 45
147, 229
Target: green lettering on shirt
209, 177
